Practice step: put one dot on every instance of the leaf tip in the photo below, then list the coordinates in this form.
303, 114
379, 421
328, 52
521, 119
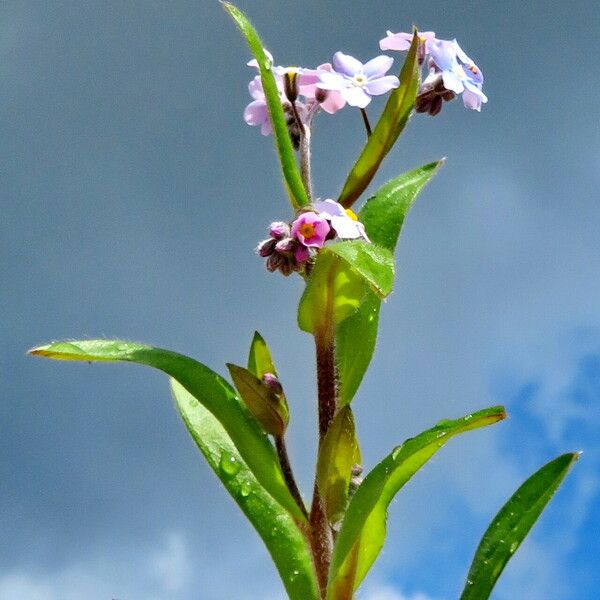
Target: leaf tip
39, 350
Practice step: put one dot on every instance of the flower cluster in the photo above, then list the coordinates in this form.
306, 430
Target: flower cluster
451, 71
347, 81
304, 92
291, 246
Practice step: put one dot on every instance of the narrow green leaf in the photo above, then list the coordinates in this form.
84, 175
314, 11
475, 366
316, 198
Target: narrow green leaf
372, 262
268, 407
285, 151
337, 456
210, 388
260, 360
342, 273
390, 125
285, 542
512, 524
363, 527
333, 291
383, 216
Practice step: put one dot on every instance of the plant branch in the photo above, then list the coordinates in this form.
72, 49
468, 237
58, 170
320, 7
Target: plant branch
288, 474
365, 118
305, 170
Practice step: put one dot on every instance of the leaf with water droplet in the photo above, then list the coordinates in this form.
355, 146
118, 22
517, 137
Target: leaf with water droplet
364, 524
279, 531
511, 525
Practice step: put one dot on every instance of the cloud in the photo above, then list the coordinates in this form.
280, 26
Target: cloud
161, 573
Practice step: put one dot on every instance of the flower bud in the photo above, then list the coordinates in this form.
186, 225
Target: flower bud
266, 247
279, 230
290, 85
274, 262
273, 382
286, 245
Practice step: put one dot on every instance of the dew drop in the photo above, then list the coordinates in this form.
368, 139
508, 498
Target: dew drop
245, 489
513, 547
229, 464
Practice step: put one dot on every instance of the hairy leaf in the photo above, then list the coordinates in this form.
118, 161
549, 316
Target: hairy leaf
363, 529
283, 144
390, 125
383, 216
211, 389
284, 540
512, 524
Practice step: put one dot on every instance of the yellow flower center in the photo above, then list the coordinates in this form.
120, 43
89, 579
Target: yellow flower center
351, 214
306, 230
359, 80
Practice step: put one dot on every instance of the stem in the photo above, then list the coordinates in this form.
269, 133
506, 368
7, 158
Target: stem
304, 151
288, 474
322, 539
363, 113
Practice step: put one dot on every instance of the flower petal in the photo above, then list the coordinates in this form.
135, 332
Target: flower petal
333, 102
330, 208
396, 41
382, 85
356, 96
452, 82
256, 113
332, 81
378, 66
346, 64
346, 228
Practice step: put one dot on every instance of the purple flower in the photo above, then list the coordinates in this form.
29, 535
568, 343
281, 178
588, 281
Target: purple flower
459, 73
356, 82
402, 41
343, 221
311, 229
329, 101
257, 113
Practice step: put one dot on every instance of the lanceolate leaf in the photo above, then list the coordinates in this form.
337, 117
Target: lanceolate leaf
383, 216
285, 151
260, 360
268, 407
363, 529
337, 456
208, 387
390, 125
512, 524
285, 542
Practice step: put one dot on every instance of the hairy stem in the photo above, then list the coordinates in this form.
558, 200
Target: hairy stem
365, 118
305, 171
288, 474
322, 539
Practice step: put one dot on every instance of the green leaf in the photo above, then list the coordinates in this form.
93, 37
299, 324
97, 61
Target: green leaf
260, 360
512, 524
285, 542
390, 125
268, 407
343, 272
337, 455
383, 216
211, 389
285, 151
363, 527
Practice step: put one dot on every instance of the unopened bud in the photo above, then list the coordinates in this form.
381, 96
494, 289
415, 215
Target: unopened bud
279, 230
286, 246
266, 247
273, 382
290, 85
274, 262
321, 95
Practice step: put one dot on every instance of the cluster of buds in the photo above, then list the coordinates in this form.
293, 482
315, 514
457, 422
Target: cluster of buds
450, 71
291, 247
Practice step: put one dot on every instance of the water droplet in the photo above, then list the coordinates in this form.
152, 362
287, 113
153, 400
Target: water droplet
469, 582
513, 547
294, 574
229, 464
245, 489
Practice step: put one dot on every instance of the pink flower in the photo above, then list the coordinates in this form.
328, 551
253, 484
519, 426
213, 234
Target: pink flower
330, 101
311, 229
402, 41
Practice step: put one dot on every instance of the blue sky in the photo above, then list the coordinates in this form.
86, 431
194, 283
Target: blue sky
132, 198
